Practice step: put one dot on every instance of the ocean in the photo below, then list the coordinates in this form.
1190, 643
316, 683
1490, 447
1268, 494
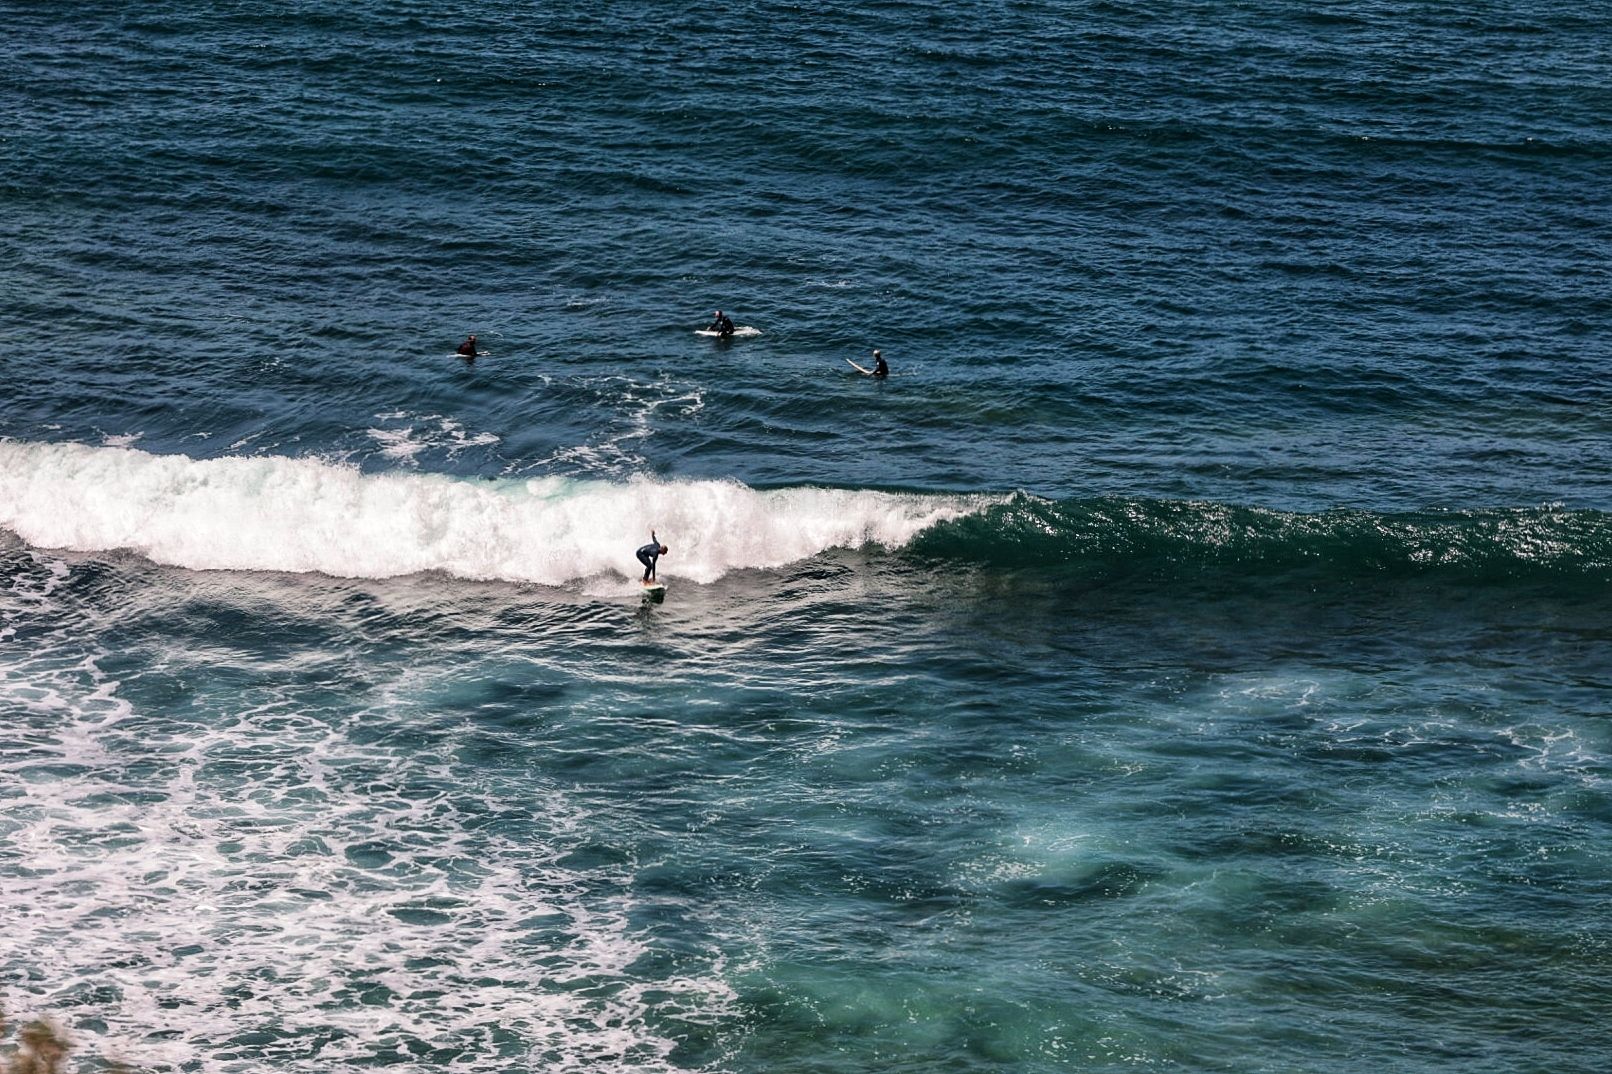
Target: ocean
1195, 656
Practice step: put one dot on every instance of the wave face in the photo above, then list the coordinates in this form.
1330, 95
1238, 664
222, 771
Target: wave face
1188, 538
306, 515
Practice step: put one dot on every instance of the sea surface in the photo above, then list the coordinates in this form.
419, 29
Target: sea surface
1195, 657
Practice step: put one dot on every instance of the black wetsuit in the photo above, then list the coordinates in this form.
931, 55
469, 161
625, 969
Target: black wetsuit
722, 326
467, 349
647, 555
879, 368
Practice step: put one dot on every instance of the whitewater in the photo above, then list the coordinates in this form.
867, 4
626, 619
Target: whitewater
307, 515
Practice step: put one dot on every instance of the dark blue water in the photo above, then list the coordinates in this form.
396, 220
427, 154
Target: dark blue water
1195, 656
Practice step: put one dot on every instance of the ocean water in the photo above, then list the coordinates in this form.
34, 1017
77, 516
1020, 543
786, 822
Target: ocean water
1196, 656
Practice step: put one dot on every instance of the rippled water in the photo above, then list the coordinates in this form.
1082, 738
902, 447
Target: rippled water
1194, 657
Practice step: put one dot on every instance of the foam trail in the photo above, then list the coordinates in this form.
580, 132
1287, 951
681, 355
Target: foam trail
305, 515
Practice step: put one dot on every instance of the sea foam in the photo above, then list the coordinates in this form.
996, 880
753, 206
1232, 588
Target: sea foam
308, 515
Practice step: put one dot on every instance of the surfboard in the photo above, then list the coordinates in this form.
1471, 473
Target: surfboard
654, 587
859, 369
741, 330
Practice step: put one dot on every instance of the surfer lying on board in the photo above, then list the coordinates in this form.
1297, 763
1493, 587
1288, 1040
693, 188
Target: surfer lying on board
722, 325
648, 554
467, 349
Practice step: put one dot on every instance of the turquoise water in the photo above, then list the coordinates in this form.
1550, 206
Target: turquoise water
1195, 657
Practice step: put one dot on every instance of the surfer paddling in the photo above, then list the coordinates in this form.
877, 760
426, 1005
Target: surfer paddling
722, 325
467, 349
649, 554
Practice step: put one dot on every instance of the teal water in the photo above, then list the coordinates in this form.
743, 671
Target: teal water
1196, 657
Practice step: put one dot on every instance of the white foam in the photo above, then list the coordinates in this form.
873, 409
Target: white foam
397, 443
30, 592
425, 432
741, 330
615, 448
306, 515
201, 904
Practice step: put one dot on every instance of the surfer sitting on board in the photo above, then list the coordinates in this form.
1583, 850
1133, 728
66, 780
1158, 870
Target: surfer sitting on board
722, 325
879, 368
467, 349
648, 554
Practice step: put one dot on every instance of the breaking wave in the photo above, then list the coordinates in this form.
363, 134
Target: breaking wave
306, 515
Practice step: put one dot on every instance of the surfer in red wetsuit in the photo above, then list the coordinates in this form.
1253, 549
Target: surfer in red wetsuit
467, 349
649, 554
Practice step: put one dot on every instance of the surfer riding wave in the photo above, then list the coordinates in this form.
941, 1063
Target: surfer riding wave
650, 554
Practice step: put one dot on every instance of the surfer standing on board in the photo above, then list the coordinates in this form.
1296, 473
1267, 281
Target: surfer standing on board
467, 349
722, 325
648, 554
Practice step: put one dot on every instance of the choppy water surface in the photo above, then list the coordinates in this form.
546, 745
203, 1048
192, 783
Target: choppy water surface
1194, 657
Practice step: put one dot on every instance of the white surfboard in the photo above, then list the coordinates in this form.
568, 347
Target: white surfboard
741, 330
859, 369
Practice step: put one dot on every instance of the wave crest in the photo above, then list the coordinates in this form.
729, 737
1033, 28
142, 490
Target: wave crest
1175, 538
306, 515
